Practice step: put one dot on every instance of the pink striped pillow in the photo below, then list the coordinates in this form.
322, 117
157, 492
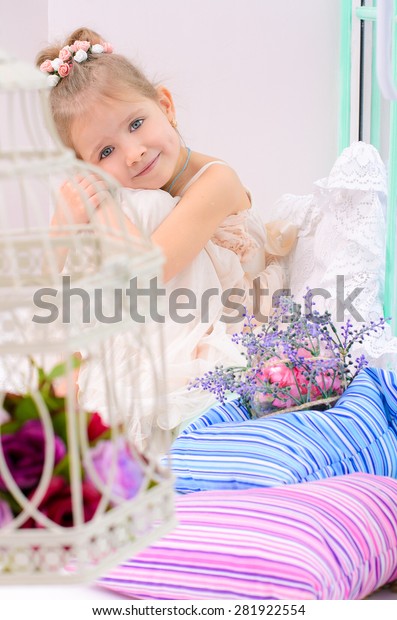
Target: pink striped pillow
327, 539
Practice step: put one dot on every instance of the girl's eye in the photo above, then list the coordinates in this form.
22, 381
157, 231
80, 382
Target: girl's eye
106, 152
136, 124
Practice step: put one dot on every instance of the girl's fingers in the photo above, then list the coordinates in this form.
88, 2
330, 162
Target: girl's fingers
91, 177
80, 197
92, 186
83, 190
98, 198
91, 180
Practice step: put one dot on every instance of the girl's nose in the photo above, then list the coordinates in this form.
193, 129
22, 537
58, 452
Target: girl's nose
134, 154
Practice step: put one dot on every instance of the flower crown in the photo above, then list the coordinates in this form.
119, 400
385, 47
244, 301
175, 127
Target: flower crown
61, 67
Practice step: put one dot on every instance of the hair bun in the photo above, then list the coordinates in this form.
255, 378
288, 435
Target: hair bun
84, 34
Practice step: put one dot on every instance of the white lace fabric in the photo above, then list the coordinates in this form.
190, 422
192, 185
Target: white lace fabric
341, 245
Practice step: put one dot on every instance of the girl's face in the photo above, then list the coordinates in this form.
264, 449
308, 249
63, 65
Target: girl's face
133, 140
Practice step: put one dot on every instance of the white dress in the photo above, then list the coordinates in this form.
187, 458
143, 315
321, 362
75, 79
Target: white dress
230, 260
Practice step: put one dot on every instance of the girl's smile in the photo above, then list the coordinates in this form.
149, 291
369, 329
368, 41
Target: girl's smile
149, 167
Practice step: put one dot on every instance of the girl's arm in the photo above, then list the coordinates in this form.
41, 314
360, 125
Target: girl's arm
191, 224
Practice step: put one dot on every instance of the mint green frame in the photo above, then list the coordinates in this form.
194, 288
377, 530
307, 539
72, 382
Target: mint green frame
369, 14
345, 74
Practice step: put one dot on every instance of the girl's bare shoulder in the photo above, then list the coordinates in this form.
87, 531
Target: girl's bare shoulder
199, 160
221, 180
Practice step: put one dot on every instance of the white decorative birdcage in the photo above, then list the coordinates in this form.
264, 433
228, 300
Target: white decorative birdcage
78, 489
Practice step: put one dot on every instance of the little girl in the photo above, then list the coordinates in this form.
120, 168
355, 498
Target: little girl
203, 219
111, 115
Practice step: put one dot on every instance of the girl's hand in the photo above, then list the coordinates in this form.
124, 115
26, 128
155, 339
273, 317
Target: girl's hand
79, 198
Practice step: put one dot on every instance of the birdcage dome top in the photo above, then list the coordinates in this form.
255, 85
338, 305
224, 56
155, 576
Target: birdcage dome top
19, 75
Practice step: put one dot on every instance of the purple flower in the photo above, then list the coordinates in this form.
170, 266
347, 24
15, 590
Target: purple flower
126, 475
5, 513
24, 452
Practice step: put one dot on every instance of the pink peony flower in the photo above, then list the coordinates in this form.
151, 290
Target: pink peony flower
65, 54
57, 503
82, 45
302, 352
301, 381
327, 382
294, 396
64, 70
276, 371
46, 66
284, 403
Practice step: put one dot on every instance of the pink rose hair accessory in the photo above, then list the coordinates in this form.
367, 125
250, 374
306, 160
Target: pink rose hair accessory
60, 67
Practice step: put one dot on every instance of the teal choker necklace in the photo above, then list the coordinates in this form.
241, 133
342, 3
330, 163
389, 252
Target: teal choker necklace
169, 188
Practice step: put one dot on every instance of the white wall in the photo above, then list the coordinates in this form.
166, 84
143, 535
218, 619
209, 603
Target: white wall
23, 27
255, 81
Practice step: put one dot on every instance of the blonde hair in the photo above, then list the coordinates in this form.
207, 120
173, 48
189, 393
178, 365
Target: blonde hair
100, 76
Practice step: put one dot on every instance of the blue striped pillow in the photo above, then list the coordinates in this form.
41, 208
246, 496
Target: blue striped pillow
224, 449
